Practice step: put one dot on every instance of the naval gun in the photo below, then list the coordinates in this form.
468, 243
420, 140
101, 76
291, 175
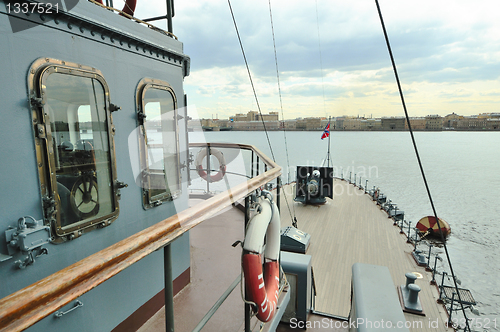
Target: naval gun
313, 184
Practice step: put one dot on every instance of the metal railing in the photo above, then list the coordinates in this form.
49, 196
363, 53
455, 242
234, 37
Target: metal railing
31, 304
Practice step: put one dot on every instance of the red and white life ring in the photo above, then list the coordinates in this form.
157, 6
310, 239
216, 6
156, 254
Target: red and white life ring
222, 164
263, 286
128, 8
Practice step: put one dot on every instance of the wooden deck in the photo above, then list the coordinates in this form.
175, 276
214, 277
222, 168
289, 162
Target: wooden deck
350, 229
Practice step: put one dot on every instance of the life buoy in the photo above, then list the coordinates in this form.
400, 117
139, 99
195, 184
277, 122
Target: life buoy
222, 164
128, 7
263, 286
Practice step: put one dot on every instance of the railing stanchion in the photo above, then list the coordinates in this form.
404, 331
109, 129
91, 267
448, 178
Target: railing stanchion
248, 309
251, 167
208, 169
169, 291
278, 192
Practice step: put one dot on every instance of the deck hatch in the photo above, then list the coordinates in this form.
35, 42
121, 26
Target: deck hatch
74, 147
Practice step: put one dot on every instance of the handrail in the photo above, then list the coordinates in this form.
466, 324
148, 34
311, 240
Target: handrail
168, 33
29, 305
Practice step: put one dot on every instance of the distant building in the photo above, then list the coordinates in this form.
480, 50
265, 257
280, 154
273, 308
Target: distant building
489, 115
272, 116
371, 124
255, 116
253, 121
255, 125
352, 124
339, 123
309, 124
471, 123
393, 123
493, 124
433, 122
416, 123
449, 119
289, 124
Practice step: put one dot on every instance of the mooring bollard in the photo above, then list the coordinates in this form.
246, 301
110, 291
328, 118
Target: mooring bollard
410, 278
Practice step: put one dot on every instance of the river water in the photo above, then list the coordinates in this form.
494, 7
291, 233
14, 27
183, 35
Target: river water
463, 173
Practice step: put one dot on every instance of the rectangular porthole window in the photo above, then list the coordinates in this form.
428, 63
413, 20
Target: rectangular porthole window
74, 147
159, 146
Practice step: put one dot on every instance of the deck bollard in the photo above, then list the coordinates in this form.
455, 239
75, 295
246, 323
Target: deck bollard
410, 292
410, 278
413, 293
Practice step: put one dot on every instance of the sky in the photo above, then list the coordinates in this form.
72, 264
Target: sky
332, 56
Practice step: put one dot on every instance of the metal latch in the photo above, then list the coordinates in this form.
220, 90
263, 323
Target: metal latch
119, 185
114, 108
28, 238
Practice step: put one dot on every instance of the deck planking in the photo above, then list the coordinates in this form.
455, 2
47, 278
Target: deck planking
349, 229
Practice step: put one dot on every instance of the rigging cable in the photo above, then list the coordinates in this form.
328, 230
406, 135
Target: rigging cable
320, 60
328, 156
294, 220
420, 162
251, 81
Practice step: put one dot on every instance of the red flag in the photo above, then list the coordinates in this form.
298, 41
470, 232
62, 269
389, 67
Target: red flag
326, 132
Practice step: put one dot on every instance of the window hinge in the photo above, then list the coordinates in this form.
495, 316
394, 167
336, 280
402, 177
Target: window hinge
141, 116
40, 131
49, 206
37, 102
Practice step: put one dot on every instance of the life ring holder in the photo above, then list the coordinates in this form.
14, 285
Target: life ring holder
202, 172
263, 286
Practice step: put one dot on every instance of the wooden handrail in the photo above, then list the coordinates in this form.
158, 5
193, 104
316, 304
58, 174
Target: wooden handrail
29, 305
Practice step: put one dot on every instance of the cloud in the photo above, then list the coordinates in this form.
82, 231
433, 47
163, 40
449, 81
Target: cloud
337, 49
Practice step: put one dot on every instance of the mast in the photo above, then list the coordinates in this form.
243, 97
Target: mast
329, 135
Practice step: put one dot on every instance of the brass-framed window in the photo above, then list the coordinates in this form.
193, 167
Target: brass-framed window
158, 142
74, 144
